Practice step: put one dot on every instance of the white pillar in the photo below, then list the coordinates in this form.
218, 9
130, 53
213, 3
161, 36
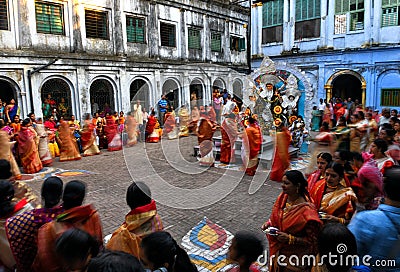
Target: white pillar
330, 22
368, 21
377, 20
286, 26
323, 34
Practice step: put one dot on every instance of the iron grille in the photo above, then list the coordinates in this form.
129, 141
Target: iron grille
272, 34
215, 41
135, 29
102, 92
3, 15
194, 38
49, 18
307, 29
390, 97
58, 89
96, 24
167, 35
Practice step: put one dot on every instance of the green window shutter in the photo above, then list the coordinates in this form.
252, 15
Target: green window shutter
49, 18
242, 44
215, 42
194, 38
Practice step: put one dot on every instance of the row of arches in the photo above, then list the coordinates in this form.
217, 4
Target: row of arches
102, 92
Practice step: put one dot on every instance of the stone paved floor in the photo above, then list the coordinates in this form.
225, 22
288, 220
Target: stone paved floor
221, 195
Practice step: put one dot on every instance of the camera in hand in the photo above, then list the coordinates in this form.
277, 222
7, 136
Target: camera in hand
271, 231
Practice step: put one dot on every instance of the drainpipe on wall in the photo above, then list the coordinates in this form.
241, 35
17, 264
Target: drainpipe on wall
34, 71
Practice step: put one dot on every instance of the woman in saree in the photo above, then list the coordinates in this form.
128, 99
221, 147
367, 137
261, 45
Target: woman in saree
252, 140
229, 132
297, 224
28, 149
183, 121
88, 139
281, 154
68, 148
151, 123
131, 129
43, 147
334, 201
323, 159
205, 132
22, 229
63, 108
316, 116
170, 125
327, 116
378, 149
10, 111
113, 137
195, 116
6, 154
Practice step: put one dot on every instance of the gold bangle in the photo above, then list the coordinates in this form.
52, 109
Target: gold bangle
291, 239
342, 221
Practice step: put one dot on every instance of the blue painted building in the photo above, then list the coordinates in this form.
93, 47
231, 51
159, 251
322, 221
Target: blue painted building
344, 48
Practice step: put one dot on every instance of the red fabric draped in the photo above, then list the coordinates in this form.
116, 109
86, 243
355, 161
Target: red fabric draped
293, 221
151, 123
252, 141
281, 155
229, 134
111, 131
169, 122
28, 151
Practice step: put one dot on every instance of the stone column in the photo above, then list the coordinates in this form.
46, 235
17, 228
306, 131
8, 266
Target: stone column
117, 28
323, 35
182, 32
153, 30
78, 22
207, 39
260, 27
376, 21
226, 47
24, 20
286, 26
330, 22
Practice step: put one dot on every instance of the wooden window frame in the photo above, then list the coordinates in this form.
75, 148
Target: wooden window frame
133, 32
100, 20
47, 20
168, 39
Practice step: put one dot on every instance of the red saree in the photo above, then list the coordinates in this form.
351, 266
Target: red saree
252, 140
151, 123
170, 126
81, 217
68, 147
138, 223
22, 233
229, 134
113, 137
205, 132
28, 151
301, 221
281, 155
89, 146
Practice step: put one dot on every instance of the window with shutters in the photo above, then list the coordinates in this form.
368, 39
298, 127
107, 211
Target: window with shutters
49, 18
135, 29
390, 13
307, 10
390, 97
194, 38
356, 10
272, 15
238, 43
3, 15
168, 34
215, 41
96, 24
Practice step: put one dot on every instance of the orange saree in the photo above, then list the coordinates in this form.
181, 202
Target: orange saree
88, 139
205, 132
138, 223
28, 151
299, 220
229, 134
281, 155
339, 203
252, 139
68, 147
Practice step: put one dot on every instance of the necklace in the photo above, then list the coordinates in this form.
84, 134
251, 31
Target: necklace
290, 204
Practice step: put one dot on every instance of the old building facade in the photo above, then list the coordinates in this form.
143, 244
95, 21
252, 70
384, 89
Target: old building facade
345, 48
118, 51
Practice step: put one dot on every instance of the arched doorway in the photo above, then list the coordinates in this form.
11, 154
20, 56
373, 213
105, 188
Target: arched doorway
7, 92
58, 92
237, 87
171, 90
218, 84
345, 84
102, 93
196, 93
139, 90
